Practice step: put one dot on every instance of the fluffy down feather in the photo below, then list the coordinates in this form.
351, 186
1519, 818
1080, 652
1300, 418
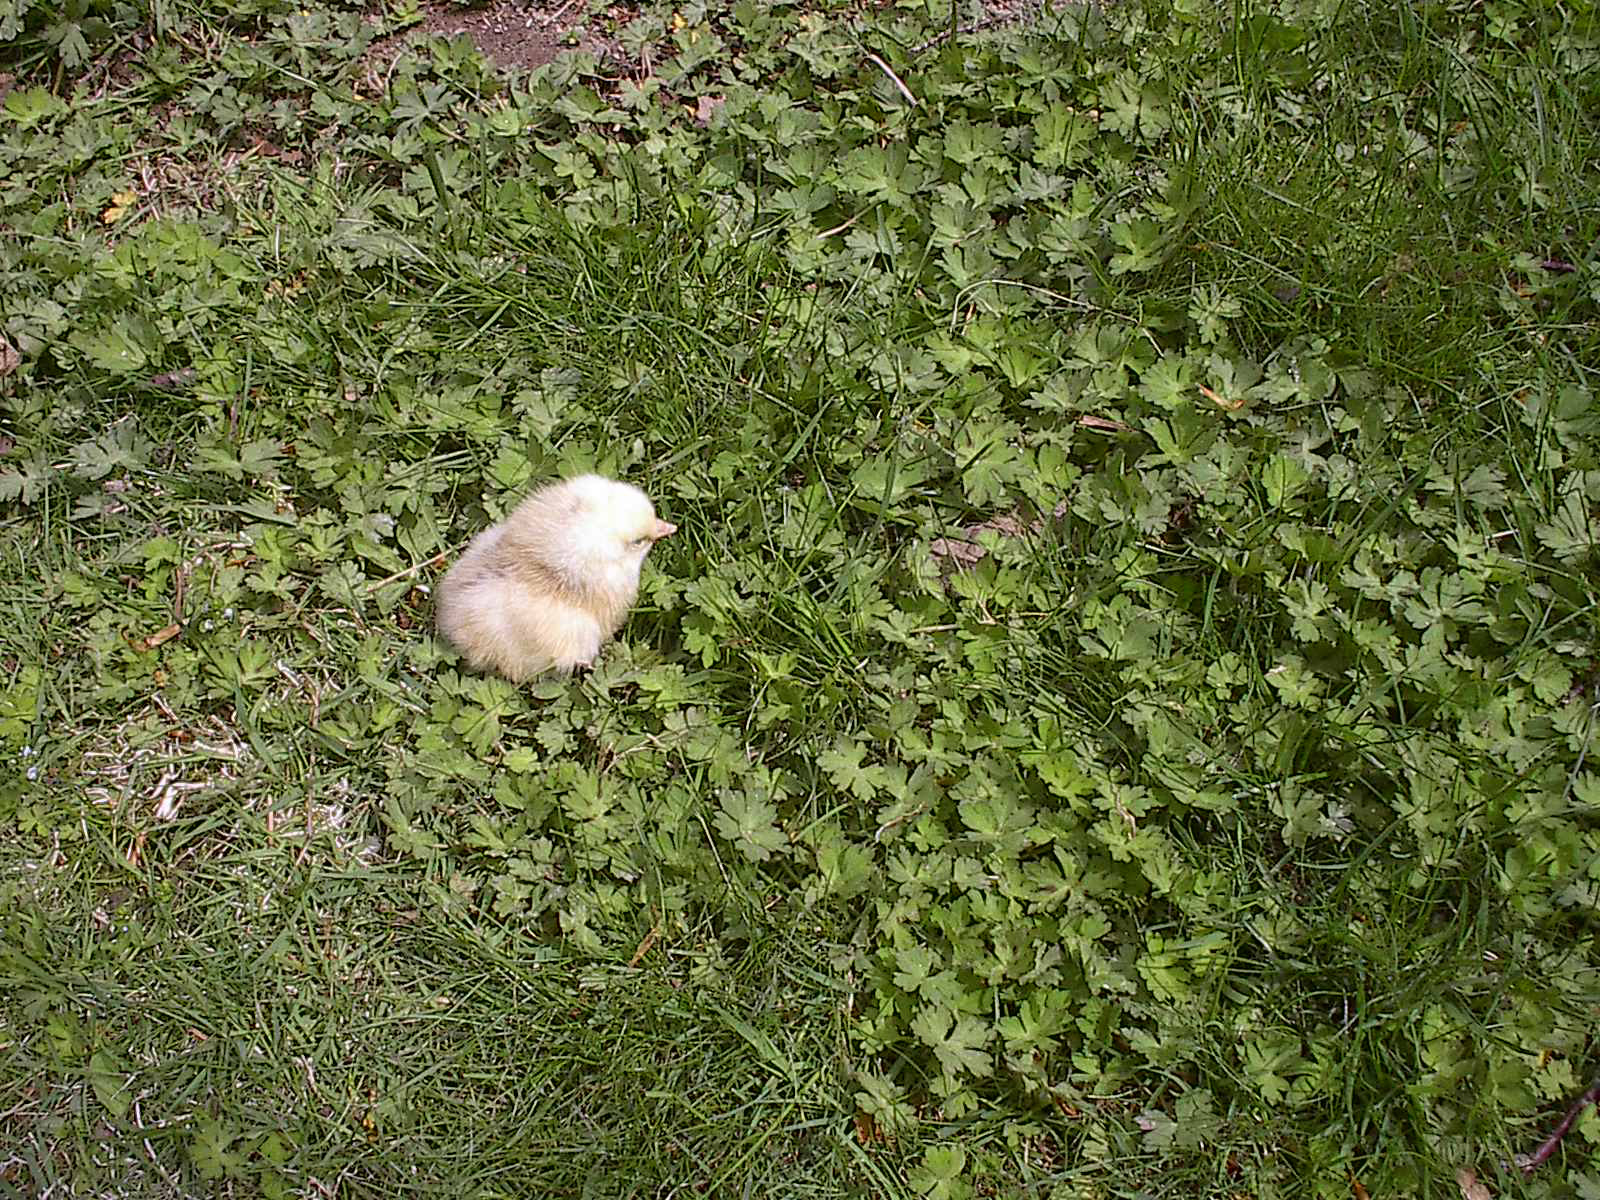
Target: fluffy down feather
547, 586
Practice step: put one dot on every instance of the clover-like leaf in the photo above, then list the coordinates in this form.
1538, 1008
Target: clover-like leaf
846, 767
939, 1176
749, 820
956, 1042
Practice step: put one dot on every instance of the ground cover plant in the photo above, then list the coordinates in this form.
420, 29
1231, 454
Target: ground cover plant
1117, 718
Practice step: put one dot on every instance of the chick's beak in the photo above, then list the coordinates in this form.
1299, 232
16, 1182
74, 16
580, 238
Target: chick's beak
663, 529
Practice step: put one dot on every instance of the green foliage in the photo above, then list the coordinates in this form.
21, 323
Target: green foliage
1125, 680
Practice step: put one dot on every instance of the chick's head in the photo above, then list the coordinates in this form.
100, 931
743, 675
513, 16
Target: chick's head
616, 521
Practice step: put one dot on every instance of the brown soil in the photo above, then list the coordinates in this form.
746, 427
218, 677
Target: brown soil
524, 34
520, 34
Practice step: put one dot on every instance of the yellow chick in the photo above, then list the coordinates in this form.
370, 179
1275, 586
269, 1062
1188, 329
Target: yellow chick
548, 585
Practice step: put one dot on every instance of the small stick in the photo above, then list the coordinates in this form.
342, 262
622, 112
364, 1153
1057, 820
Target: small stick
311, 825
243, 395
838, 228
1530, 1162
138, 1123
436, 561
893, 78
947, 34
558, 14
644, 946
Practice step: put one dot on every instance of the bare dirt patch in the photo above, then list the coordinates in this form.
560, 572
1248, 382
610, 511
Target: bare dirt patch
511, 33
524, 34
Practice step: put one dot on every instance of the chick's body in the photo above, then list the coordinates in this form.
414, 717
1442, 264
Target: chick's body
548, 585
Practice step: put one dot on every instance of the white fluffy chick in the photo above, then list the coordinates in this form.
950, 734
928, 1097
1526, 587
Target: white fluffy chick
547, 586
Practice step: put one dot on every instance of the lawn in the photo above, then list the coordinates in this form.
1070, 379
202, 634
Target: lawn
1117, 718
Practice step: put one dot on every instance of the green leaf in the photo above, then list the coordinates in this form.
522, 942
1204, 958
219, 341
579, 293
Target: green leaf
883, 478
1134, 108
407, 838
844, 870
1159, 1129
587, 797
120, 447
256, 459
1572, 534
1284, 479
748, 821
1034, 1028
19, 706
704, 637
109, 1077
25, 483
211, 1149
1142, 246
1197, 1120
844, 766
115, 349
1062, 137
510, 471
881, 173
344, 584
478, 727
1170, 383
1296, 684
956, 1043
28, 107
1003, 822
939, 1175
965, 142
542, 409
885, 1101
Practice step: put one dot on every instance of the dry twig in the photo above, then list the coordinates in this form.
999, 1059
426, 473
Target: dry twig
893, 78
1530, 1162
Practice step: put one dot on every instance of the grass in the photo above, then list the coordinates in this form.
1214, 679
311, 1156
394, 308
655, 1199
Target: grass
398, 1054
1227, 826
